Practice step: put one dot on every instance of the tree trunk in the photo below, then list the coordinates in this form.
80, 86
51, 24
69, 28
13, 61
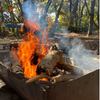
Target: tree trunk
70, 6
22, 13
73, 15
57, 15
42, 19
98, 13
76, 19
20, 5
12, 21
17, 31
81, 15
91, 17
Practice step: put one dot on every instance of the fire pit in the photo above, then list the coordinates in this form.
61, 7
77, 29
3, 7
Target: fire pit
84, 88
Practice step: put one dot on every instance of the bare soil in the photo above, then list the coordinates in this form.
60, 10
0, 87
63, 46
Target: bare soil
90, 42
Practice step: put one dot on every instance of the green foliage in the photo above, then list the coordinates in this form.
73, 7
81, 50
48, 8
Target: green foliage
65, 14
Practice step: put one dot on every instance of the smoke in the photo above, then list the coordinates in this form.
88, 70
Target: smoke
82, 57
29, 10
74, 48
33, 15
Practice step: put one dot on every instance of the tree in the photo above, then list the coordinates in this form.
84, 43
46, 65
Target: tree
42, 19
81, 14
90, 28
73, 15
91, 17
20, 6
66, 13
98, 13
58, 13
70, 7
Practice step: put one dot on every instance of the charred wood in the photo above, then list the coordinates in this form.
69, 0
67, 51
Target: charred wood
34, 58
62, 78
71, 68
16, 65
53, 59
47, 64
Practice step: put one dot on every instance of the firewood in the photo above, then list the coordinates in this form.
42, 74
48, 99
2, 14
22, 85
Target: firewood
16, 65
61, 78
42, 75
34, 58
71, 68
54, 59
47, 64
56, 71
4, 65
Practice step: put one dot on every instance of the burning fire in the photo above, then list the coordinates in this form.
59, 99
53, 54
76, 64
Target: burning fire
29, 46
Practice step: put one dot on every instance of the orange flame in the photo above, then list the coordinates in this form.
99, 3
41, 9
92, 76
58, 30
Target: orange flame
28, 47
31, 44
44, 38
22, 29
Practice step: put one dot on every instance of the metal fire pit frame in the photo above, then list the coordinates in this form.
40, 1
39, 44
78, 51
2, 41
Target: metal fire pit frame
82, 88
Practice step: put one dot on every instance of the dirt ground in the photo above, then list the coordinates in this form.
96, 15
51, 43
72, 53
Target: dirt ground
90, 42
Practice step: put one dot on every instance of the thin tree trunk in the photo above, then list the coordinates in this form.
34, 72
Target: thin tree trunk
12, 19
87, 7
57, 15
70, 7
12, 25
76, 19
73, 15
98, 13
91, 17
21, 10
81, 15
42, 19
20, 5
54, 29
17, 29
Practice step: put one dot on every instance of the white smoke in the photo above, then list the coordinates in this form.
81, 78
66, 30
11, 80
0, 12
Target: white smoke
82, 57
29, 10
75, 49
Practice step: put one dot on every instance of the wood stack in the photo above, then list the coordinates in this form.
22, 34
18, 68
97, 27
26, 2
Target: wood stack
53, 67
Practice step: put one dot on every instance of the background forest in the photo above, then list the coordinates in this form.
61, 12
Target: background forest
74, 15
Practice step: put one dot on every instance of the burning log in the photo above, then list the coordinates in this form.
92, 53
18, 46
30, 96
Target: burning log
35, 56
16, 66
47, 64
61, 78
52, 59
56, 71
42, 75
